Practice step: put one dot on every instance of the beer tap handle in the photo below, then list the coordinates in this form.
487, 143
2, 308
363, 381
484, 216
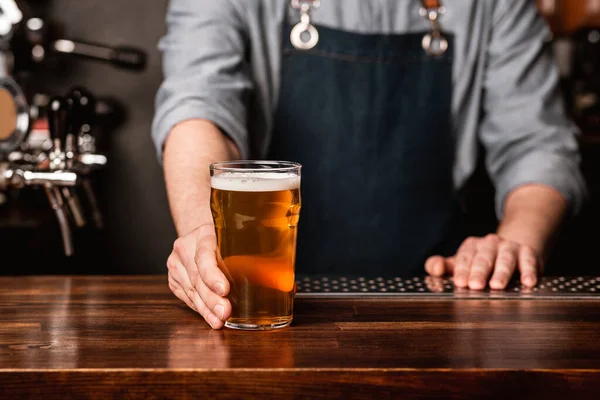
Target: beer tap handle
72, 131
58, 121
57, 178
85, 106
70, 150
19, 178
123, 57
61, 123
79, 101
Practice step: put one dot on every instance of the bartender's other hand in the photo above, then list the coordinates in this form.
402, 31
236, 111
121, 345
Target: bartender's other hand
489, 258
195, 278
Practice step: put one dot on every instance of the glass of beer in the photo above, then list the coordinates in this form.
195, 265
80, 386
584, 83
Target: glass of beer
255, 207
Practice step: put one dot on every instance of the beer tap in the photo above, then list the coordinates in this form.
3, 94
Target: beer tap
51, 143
19, 176
58, 114
84, 107
69, 151
60, 124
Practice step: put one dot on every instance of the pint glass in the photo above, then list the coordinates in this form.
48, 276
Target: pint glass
255, 207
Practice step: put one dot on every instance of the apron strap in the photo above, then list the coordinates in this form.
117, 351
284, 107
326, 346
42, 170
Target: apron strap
434, 43
305, 36
429, 4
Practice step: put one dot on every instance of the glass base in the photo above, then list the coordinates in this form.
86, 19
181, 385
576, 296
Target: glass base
258, 327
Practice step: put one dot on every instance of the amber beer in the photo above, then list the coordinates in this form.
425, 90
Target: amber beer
256, 207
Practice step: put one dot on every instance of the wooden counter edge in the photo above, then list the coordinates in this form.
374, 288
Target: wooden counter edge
309, 383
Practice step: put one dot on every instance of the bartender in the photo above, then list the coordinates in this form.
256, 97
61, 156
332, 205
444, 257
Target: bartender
384, 104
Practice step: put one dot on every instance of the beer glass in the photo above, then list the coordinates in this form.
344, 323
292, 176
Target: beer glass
255, 207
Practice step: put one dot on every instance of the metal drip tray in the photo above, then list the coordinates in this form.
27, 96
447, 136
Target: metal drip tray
573, 287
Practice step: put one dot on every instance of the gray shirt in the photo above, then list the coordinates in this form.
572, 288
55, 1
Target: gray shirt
222, 58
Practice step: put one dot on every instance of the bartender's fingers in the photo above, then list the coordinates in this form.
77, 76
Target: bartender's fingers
180, 293
506, 263
182, 288
529, 266
464, 258
450, 263
206, 260
210, 318
221, 307
440, 266
483, 262
435, 266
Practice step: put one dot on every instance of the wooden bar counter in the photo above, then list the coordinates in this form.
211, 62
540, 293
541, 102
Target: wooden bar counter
128, 337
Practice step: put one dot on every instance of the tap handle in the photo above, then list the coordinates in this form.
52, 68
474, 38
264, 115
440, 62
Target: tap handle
84, 109
18, 178
89, 160
122, 57
74, 118
57, 178
58, 119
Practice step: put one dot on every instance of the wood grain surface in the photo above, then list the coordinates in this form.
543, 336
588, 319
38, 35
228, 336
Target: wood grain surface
129, 337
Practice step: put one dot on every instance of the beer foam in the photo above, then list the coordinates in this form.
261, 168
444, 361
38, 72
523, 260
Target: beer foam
255, 182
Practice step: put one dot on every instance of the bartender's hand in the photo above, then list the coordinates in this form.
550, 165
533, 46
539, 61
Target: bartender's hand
195, 278
492, 258
533, 214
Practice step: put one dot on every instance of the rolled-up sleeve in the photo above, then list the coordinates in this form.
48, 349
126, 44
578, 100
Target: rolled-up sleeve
205, 70
525, 131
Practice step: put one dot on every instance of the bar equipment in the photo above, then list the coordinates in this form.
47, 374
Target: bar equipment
62, 168
340, 286
49, 143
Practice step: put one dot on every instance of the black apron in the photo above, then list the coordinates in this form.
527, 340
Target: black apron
368, 117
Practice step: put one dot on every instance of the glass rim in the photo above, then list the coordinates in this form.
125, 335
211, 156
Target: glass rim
255, 166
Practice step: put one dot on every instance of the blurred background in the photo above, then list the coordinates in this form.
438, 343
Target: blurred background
106, 54
137, 233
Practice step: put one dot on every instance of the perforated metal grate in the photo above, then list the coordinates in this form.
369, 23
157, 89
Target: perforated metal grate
345, 286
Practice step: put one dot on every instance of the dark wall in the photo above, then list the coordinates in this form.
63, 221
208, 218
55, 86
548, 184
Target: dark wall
139, 232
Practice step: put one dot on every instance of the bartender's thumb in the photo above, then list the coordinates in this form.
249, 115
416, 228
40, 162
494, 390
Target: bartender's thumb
206, 260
